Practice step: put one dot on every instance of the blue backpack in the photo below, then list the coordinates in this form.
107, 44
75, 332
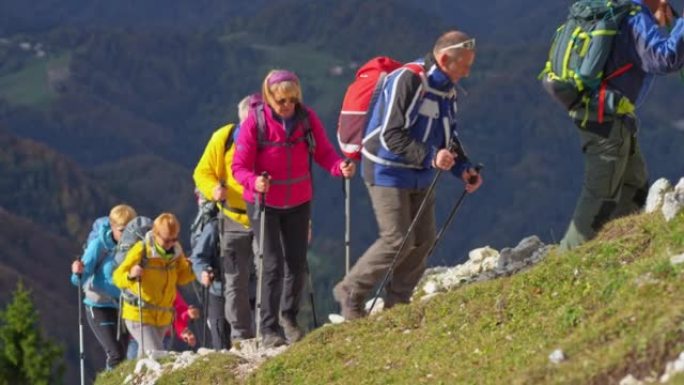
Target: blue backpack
90, 291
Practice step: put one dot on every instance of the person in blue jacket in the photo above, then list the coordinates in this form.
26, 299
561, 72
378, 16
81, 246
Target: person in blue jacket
409, 135
94, 273
650, 42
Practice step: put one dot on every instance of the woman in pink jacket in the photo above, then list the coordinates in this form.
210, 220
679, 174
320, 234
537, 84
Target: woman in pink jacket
275, 147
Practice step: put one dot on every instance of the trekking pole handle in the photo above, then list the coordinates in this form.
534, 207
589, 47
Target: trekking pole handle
79, 259
262, 196
210, 271
478, 169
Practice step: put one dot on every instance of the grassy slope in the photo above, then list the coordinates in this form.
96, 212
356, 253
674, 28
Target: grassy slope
614, 307
30, 86
587, 303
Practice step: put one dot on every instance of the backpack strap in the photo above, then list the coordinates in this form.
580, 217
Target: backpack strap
229, 140
310, 141
261, 123
604, 85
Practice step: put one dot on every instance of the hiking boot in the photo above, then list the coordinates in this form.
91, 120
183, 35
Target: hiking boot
272, 340
351, 307
293, 332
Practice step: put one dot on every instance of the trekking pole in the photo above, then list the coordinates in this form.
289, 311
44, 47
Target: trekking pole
81, 351
311, 297
118, 319
452, 213
421, 208
347, 221
260, 273
140, 300
205, 307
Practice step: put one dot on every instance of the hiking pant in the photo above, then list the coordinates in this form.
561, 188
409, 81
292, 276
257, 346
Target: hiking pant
219, 328
237, 259
394, 210
153, 336
285, 247
103, 323
615, 179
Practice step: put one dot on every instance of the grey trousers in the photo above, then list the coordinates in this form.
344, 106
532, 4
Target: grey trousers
237, 258
615, 179
285, 265
394, 210
152, 336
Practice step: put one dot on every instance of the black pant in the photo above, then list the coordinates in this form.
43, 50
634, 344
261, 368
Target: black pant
219, 328
285, 247
103, 322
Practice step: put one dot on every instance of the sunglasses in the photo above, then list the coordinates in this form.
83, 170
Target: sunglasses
283, 101
468, 44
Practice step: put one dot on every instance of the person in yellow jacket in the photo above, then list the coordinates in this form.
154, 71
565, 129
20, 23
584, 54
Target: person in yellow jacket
148, 277
225, 271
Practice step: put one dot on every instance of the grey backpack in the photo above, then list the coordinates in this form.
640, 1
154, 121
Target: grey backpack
135, 231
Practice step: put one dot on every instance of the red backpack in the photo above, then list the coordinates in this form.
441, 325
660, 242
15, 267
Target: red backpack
360, 98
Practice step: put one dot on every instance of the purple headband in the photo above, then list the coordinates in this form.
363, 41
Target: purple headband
280, 76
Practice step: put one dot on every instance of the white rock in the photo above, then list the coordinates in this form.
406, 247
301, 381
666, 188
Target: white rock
379, 306
672, 368
524, 250
490, 263
428, 297
557, 356
148, 363
477, 255
630, 380
672, 205
205, 351
677, 259
335, 318
430, 287
656, 195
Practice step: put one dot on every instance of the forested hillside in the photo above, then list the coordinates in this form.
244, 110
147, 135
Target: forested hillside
119, 99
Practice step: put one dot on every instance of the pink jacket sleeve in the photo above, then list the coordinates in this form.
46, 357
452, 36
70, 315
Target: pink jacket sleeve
324, 154
244, 158
180, 322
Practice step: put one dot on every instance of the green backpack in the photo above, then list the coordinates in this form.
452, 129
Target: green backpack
578, 55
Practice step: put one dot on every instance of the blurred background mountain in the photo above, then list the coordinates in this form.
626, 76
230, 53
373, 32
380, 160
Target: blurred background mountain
106, 102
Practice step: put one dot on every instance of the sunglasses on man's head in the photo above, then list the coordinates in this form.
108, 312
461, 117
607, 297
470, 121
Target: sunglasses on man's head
468, 44
283, 101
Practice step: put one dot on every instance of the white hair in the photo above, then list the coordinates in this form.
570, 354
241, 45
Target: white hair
243, 108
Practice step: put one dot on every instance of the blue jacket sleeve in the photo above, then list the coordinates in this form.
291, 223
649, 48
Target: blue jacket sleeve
89, 260
659, 52
205, 249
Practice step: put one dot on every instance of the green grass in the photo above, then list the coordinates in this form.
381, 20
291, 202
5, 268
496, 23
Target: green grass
614, 306
30, 86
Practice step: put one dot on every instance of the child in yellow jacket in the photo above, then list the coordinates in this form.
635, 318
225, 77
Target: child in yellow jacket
149, 276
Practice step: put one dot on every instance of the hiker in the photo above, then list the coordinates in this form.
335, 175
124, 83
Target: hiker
403, 147
148, 277
94, 272
225, 272
615, 175
184, 313
281, 137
